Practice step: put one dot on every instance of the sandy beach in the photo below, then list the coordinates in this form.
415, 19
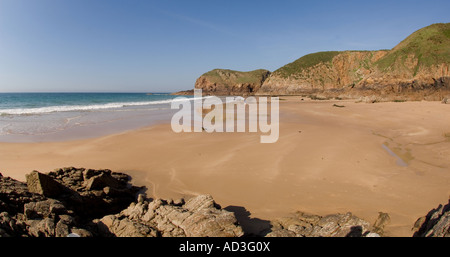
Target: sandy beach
362, 158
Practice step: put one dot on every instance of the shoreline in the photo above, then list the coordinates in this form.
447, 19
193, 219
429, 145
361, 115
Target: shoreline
327, 160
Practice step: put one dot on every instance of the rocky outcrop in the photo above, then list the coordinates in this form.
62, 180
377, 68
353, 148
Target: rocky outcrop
30, 214
61, 202
435, 224
345, 76
185, 92
198, 217
86, 202
306, 225
229, 82
104, 203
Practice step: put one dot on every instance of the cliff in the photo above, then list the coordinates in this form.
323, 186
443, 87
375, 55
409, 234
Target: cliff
322, 71
229, 82
417, 68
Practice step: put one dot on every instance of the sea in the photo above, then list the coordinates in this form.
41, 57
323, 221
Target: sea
42, 117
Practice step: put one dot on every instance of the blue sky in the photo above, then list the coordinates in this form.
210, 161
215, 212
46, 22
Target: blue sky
163, 46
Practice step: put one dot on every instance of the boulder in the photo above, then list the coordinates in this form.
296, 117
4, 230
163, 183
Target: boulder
80, 232
41, 228
111, 225
43, 209
381, 222
306, 225
43, 184
14, 194
101, 181
435, 224
198, 217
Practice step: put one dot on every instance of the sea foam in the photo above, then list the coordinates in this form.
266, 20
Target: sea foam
93, 107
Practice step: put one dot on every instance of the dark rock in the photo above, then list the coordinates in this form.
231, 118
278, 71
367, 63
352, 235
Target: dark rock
44, 209
41, 228
381, 222
14, 194
73, 204
306, 225
435, 224
81, 232
179, 202
199, 217
62, 229
87, 174
101, 181
43, 184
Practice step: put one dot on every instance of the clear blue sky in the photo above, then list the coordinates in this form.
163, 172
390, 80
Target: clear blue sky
163, 46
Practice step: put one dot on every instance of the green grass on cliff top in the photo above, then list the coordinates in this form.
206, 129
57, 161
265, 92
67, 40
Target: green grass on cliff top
430, 45
235, 76
306, 61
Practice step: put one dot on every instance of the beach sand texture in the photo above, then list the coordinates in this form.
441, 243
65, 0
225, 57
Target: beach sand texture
363, 158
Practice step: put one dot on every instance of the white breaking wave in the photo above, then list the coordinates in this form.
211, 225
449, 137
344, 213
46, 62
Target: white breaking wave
69, 108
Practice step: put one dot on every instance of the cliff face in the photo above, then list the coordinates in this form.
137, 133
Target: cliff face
229, 82
322, 71
417, 68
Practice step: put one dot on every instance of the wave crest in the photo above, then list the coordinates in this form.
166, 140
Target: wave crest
69, 108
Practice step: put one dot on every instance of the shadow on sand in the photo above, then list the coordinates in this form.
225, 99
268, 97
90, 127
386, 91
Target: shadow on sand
251, 226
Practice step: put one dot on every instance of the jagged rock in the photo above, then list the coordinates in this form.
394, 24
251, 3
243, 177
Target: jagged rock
198, 217
382, 220
94, 193
341, 225
435, 224
141, 198
14, 194
74, 198
179, 202
62, 229
101, 181
43, 209
282, 233
304, 225
43, 184
81, 232
9, 225
23, 213
124, 227
41, 228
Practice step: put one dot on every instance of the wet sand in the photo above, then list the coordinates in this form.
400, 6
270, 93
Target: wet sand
327, 160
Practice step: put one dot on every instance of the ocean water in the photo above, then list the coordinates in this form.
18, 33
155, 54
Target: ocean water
37, 117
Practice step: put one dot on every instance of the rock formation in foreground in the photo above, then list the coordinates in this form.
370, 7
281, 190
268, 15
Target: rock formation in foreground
336, 225
435, 224
85, 202
198, 217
